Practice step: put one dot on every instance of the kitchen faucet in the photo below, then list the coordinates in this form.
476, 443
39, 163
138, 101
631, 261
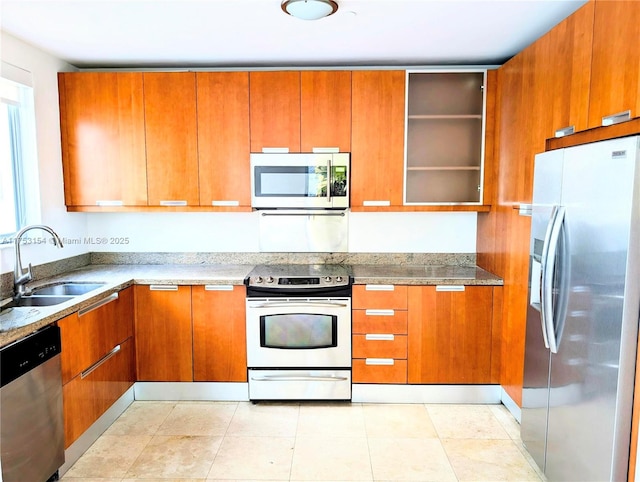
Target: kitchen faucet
20, 277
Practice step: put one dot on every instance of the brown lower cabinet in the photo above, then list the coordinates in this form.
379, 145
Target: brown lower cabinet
219, 334
97, 359
163, 333
87, 396
450, 334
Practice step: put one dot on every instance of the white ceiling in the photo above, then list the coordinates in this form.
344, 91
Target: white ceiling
256, 33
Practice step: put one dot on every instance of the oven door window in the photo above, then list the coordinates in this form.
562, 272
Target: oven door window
291, 181
298, 331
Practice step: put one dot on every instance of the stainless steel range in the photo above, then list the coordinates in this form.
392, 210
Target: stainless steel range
299, 332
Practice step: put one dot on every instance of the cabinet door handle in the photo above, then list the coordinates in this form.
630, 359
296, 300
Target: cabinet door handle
275, 150
98, 304
225, 203
325, 150
379, 312
379, 287
616, 118
376, 203
379, 337
173, 203
565, 131
109, 202
218, 287
163, 287
97, 364
379, 361
450, 288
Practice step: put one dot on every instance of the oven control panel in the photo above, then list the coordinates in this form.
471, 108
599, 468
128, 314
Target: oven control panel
301, 282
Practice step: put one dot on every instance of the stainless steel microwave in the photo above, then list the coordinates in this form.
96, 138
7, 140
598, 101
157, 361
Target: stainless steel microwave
294, 181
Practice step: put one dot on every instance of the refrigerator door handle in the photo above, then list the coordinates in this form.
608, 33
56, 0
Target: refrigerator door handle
545, 291
548, 278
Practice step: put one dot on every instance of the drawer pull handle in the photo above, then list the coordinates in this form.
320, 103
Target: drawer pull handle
325, 150
173, 203
379, 337
379, 312
97, 364
109, 202
565, 131
379, 361
379, 288
302, 378
616, 118
225, 203
376, 203
98, 304
218, 287
275, 150
450, 288
163, 287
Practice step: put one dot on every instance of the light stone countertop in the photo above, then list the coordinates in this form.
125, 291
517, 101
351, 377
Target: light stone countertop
16, 323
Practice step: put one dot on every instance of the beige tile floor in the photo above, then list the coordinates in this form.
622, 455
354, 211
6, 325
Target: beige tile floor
197, 441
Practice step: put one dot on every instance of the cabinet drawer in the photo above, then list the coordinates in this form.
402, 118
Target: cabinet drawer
379, 321
88, 336
392, 297
393, 372
375, 346
86, 398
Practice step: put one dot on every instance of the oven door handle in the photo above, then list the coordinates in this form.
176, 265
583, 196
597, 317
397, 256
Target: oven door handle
297, 304
298, 378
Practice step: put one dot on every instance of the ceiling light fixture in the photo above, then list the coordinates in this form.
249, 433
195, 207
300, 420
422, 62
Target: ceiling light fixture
309, 9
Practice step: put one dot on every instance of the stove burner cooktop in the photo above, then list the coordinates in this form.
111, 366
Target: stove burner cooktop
303, 276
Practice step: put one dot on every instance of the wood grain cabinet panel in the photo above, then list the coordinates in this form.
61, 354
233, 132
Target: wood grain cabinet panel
615, 68
377, 139
379, 327
379, 346
163, 333
450, 335
562, 65
379, 297
89, 395
103, 138
171, 135
88, 336
219, 334
223, 139
394, 372
274, 99
325, 109
379, 321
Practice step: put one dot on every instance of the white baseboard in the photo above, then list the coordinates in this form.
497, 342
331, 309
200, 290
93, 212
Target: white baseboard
386, 393
80, 446
512, 406
213, 391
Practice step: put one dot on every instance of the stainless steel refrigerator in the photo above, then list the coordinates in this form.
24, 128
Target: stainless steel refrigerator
583, 310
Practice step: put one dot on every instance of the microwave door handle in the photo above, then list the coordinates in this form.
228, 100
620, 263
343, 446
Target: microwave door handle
329, 180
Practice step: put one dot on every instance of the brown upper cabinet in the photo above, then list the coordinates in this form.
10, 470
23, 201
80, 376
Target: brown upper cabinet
325, 110
171, 137
562, 75
103, 138
300, 110
615, 68
223, 139
377, 139
274, 99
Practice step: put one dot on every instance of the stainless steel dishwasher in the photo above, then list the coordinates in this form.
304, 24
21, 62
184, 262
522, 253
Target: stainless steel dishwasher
31, 423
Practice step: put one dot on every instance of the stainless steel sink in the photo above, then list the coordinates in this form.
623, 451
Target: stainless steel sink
66, 289
38, 301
